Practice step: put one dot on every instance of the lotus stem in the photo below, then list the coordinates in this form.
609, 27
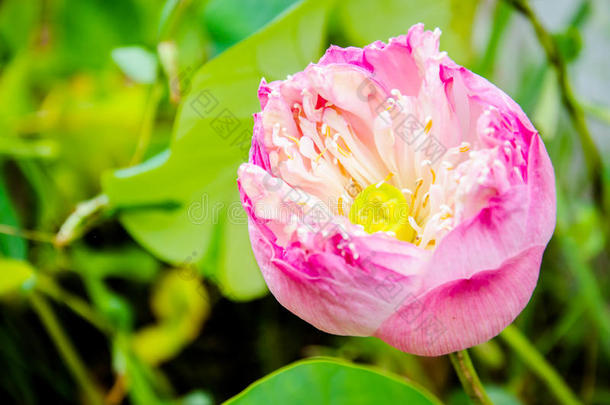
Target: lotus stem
469, 378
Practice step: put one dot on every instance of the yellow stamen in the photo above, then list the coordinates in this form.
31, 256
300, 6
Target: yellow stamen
342, 169
433, 175
465, 148
293, 139
345, 149
428, 127
320, 155
344, 153
418, 184
426, 199
340, 208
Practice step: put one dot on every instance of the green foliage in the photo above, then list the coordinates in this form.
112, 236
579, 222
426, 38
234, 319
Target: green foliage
89, 30
17, 22
229, 21
569, 43
498, 395
330, 382
181, 304
137, 63
15, 275
548, 106
10, 246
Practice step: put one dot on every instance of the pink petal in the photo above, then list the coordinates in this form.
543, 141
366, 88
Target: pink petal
464, 312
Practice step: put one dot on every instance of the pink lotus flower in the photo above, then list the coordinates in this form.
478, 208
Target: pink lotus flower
391, 192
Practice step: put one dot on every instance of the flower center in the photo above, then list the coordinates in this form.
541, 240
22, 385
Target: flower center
382, 207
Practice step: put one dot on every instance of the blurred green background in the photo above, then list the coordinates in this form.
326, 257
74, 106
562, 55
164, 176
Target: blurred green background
126, 275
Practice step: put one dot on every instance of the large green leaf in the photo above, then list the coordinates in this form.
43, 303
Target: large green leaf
229, 21
331, 382
211, 137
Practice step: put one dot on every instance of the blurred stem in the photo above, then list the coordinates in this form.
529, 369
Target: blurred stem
469, 378
35, 236
595, 165
599, 112
80, 220
80, 307
167, 28
168, 56
537, 363
65, 348
118, 391
148, 121
588, 380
